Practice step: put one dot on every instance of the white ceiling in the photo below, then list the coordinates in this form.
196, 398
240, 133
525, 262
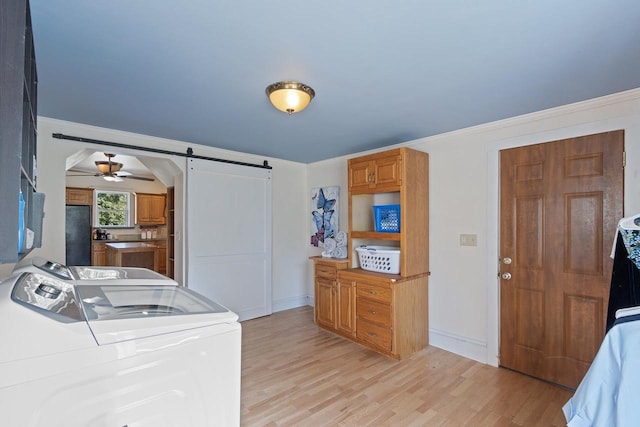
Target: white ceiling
384, 72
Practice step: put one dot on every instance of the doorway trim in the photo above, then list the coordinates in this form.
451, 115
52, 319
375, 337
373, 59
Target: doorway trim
493, 211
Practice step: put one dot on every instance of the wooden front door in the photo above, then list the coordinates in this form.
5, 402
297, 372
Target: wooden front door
560, 203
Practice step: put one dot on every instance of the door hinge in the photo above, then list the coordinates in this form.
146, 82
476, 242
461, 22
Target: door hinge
624, 159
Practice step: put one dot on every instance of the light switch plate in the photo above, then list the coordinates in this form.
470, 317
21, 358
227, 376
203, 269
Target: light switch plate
468, 240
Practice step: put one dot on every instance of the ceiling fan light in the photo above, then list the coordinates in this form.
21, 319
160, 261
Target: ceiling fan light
112, 178
290, 97
108, 167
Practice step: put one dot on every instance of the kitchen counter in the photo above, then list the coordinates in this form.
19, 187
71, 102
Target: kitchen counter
129, 245
132, 254
159, 239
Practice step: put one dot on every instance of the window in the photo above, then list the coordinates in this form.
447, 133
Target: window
113, 209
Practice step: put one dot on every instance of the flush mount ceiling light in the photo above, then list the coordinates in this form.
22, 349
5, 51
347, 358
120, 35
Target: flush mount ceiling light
290, 97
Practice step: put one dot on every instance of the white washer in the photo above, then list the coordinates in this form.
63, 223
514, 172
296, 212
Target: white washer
84, 275
120, 352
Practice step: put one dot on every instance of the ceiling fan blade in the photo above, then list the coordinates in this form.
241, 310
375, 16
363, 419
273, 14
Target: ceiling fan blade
140, 178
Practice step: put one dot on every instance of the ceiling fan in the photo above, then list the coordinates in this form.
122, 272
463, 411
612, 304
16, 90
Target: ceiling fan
112, 171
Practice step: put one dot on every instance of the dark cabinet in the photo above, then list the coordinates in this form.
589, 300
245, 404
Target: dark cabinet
21, 219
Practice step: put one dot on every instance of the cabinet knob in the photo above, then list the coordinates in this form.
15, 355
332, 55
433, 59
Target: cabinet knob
372, 312
373, 334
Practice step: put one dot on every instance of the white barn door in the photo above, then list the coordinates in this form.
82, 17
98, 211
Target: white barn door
228, 241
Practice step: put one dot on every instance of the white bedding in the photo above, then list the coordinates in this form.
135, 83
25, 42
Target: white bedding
609, 394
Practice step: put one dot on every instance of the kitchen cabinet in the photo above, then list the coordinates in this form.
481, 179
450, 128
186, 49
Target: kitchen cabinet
79, 196
391, 311
18, 113
162, 256
150, 209
98, 254
331, 303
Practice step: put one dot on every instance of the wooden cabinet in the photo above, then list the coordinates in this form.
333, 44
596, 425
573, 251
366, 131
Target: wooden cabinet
162, 257
171, 232
18, 113
79, 196
385, 312
132, 254
329, 299
150, 208
376, 172
399, 177
391, 311
98, 254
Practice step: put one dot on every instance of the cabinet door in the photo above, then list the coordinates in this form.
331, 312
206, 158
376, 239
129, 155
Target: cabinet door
360, 175
98, 256
387, 172
347, 307
157, 209
150, 209
143, 214
79, 196
325, 302
162, 260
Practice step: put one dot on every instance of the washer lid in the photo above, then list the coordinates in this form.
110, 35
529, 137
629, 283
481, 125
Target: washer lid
117, 313
117, 273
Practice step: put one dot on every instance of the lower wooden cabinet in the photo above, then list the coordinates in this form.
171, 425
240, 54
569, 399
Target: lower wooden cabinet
162, 257
98, 254
328, 297
387, 313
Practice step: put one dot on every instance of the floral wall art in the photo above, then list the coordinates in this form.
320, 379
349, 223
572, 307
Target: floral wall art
324, 214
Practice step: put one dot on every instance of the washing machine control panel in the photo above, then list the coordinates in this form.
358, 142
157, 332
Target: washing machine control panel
48, 296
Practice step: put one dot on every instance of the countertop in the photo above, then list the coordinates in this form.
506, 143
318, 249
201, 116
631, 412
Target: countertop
129, 240
130, 245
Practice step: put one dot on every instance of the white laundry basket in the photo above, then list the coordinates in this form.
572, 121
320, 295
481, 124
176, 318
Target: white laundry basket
383, 259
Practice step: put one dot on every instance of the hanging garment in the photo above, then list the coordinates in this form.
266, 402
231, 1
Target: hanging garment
625, 278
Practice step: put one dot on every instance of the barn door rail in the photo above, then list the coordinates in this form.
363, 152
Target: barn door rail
189, 153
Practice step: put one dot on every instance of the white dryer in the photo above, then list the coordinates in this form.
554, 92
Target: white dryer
114, 352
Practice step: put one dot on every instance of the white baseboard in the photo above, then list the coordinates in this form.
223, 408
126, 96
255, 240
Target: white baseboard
289, 303
463, 346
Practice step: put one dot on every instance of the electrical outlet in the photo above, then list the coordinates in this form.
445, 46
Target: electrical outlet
468, 240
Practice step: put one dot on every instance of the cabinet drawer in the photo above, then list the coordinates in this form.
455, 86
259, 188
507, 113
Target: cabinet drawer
376, 335
326, 271
374, 292
374, 311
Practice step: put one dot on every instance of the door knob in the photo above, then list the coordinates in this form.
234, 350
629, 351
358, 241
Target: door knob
506, 276
506, 260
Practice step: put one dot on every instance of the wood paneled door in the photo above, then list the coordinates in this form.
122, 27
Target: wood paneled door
560, 203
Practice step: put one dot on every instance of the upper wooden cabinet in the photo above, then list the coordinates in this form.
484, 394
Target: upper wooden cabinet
79, 196
376, 172
395, 177
151, 208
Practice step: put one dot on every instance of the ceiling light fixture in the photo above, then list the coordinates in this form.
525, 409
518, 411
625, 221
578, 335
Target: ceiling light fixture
290, 97
108, 167
112, 178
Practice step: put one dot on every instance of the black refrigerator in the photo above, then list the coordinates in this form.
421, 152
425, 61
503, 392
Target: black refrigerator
78, 235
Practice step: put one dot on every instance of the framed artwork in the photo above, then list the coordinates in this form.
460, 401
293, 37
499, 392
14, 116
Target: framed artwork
324, 213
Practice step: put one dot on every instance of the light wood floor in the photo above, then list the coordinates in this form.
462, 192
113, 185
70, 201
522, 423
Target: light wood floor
296, 374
